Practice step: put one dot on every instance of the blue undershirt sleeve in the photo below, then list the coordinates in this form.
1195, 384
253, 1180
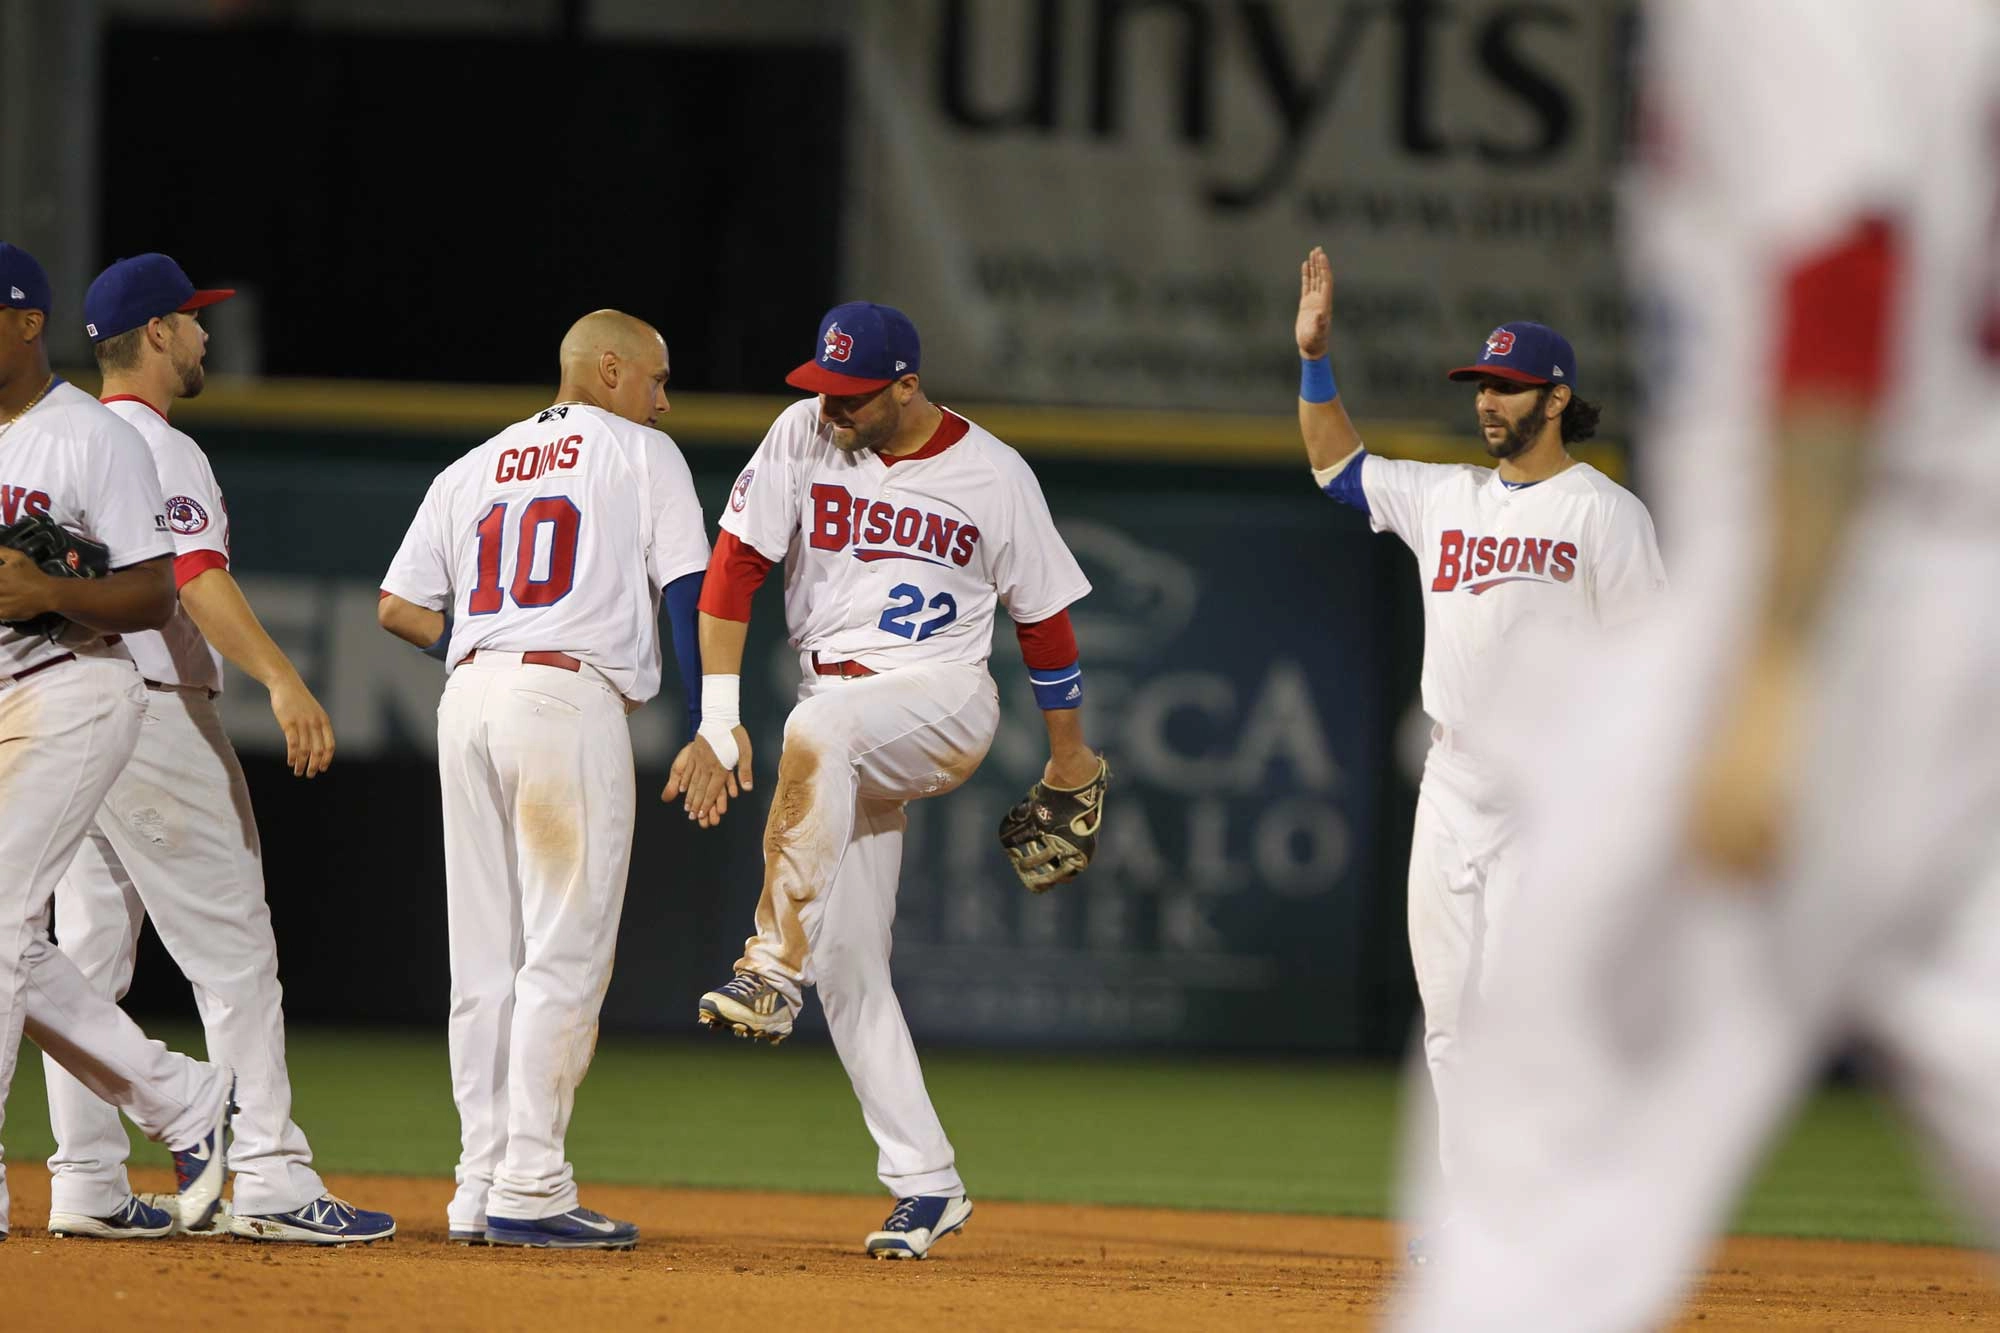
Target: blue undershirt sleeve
1347, 488
683, 594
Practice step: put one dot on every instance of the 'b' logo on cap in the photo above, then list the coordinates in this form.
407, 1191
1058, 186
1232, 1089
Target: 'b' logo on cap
1500, 343
838, 345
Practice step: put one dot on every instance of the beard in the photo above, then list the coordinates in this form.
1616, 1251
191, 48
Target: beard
853, 439
192, 379
1519, 433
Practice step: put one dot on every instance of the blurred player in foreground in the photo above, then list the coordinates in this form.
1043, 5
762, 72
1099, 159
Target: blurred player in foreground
552, 545
1776, 829
1538, 546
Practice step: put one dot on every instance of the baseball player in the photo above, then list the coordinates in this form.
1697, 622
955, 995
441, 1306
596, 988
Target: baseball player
71, 707
901, 524
1789, 837
175, 838
1538, 545
550, 545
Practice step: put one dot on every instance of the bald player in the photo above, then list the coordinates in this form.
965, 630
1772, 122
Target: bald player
549, 547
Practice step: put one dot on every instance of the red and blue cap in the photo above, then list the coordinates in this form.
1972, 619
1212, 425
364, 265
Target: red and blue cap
1526, 353
144, 287
23, 283
862, 346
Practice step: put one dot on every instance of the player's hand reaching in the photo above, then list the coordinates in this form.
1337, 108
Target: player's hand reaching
1315, 304
703, 784
1740, 796
308, 730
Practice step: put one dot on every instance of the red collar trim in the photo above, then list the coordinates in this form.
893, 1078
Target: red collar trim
134, 398
950, 430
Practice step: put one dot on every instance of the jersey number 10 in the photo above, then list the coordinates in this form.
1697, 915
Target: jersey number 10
557, 512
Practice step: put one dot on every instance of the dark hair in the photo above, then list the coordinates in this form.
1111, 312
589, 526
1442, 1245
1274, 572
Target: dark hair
1579, 419
121, 351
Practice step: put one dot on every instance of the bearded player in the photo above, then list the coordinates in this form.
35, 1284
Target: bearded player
901, 525
1538, 544
175, 839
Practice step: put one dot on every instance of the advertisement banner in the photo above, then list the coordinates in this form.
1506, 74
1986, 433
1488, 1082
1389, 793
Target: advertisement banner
1106, 201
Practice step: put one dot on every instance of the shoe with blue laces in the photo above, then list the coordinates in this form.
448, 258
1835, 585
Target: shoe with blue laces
916, 1224
327, 1220
577, 1229
135, 1219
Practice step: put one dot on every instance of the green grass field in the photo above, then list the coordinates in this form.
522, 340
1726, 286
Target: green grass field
1264, 1136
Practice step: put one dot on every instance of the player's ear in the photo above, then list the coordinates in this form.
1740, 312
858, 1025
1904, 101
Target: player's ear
1559, 400
607, 368
31, 324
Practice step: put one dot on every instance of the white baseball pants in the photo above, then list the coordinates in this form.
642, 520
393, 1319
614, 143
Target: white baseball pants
535, 764
1651, 1026
176, 840
856, 751
1464, 868
64, 734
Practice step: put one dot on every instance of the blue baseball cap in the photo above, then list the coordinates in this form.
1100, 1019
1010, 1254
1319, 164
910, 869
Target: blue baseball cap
862, 346
1525, 352
132, 291
23, 284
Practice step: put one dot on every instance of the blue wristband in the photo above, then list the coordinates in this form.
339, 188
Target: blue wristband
1316, 380
1059, 688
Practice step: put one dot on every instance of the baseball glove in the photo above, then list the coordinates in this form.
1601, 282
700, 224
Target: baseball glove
59, 553
1052, 834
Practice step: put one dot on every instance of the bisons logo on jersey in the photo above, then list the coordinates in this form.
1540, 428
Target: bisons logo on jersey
880, 531
18, 500
839, 346
1475, 564
740, 494
186, 516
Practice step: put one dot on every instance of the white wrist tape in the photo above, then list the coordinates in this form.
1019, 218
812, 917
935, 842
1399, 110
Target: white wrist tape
721, 708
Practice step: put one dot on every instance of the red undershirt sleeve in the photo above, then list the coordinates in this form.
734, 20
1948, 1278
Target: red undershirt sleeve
736, 570
1048, 644
195, 563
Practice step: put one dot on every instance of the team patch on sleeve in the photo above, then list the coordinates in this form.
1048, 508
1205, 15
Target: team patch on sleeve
186, 515
740, 495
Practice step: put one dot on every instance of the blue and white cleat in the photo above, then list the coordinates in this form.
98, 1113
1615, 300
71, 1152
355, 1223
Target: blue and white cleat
201, 1168
577, 1229
327, 1220
916, 1224
748, 1006
135, 1219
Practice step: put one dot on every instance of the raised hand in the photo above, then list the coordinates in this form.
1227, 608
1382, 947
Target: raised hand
1315, 304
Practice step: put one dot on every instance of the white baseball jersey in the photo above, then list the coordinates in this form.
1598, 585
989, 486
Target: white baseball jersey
537, 539
176, 653
894, 561
1575, 550
71, 458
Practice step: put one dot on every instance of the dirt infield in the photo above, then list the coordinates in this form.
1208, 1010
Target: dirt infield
709, 1260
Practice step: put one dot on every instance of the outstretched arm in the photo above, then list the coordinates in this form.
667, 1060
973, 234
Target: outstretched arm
1330, 437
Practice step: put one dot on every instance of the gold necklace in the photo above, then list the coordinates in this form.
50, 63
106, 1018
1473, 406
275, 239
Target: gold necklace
40, 394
